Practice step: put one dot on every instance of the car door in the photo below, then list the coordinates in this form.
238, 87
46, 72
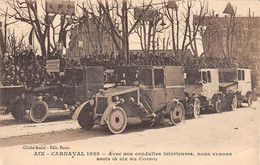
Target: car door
205, 85
240, 81
159, 91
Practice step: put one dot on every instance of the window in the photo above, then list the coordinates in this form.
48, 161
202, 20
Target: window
227, 76
94, 74
158, 77
204, 77
243, 75
209, 76
239, 74
192, 77
74, 77
147, 77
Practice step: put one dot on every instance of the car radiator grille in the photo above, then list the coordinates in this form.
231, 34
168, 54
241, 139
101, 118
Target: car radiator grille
101, 105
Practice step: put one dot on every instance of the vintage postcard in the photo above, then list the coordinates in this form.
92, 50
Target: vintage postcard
167, 82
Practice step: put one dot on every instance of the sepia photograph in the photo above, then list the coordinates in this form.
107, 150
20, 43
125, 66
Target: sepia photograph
135, 82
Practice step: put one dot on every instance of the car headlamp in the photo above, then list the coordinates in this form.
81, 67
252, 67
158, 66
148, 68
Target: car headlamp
91, 102
122, 100
27, 111
116, 98
132, 100
72, 108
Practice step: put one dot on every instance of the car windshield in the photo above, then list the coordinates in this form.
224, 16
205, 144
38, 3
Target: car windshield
128, 77
192, 78
73, 77
227, 76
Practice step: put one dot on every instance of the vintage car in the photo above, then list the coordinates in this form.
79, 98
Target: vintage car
236, 84
141, 94
202, 91
74, 87
9, 93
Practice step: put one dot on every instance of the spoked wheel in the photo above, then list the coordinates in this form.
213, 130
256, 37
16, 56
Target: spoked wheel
196, 108
117, 120
85, 119
234, 103
218, 106
249, 101
177, 114
38, 111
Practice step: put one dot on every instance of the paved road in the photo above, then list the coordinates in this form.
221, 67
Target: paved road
224, 138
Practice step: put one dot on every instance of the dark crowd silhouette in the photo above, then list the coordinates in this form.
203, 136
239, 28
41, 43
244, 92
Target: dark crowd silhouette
27, 68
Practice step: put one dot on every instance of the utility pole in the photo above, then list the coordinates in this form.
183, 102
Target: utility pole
5, 33
125, 31
48, 37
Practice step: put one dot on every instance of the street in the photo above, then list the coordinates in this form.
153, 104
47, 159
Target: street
230, 137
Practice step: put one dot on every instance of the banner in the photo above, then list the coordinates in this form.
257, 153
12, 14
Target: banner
148, 15
60, 7
59, 45
53, 65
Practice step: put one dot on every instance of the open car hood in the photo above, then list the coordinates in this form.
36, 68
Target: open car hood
227, 84
45, 88
118, 90
193, 89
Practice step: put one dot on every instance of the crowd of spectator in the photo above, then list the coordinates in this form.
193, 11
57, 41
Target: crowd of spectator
27, 68
24, 68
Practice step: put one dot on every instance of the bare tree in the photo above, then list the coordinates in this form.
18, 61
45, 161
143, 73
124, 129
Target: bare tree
245, 32
195, 28
113, 18
223, 30
148, 30
15, 44
5, 35
190, 30
27, 12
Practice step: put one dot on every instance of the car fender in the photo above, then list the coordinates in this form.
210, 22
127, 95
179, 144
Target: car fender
107, 112
249, 93
171, 104
216, 97
78, 110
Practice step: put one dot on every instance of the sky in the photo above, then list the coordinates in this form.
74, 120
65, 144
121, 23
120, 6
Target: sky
218, 5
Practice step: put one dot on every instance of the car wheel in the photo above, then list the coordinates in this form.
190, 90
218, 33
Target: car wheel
39, 111
218, 106
15, 115
177, 114
117, 120
85, 120
18, 110
234, 103
196, 108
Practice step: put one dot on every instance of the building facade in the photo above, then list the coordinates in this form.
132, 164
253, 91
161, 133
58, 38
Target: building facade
231, 37
89, 37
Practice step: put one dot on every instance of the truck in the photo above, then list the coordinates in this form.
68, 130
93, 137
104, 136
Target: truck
141, 94
236, 84
74, 86
202, 91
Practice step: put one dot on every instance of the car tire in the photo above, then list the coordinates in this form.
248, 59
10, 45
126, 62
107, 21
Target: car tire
117, 120
18, 110
177, 113
196, 108
39, 111
218, 106
234, 103
85, 120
